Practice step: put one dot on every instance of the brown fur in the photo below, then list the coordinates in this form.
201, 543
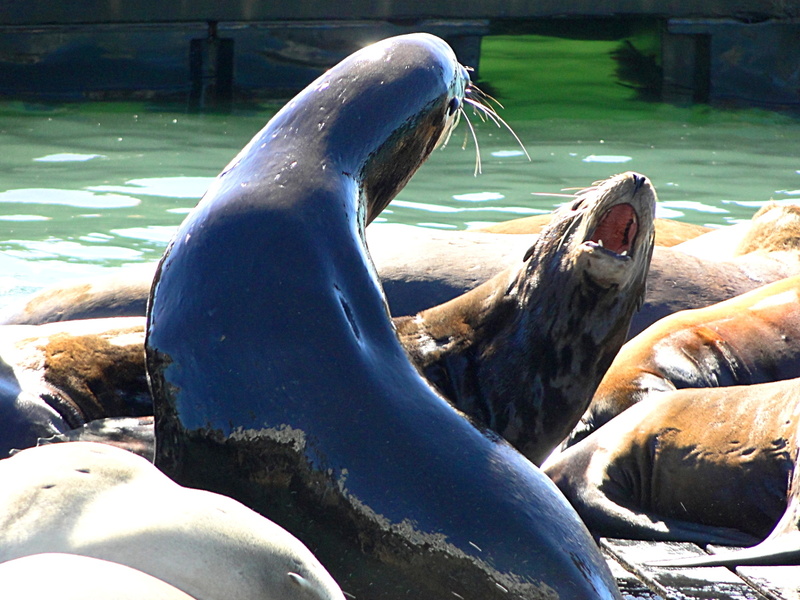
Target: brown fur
774, 227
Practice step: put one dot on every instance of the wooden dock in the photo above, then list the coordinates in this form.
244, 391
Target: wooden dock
717, 51
639, 581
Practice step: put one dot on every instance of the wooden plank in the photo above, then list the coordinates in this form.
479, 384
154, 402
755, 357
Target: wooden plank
632, 587
776, 583
700, 583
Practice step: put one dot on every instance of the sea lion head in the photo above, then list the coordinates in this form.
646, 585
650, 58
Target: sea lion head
374, 118
606, 232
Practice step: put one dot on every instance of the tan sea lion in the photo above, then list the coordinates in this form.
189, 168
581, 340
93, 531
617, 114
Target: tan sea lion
773, 227
709, 465
522, 353
781, 546
669, 232
106, 503
751, 338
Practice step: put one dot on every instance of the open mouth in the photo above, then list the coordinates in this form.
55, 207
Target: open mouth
616, 231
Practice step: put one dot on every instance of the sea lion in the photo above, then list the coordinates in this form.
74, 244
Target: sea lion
708, 465
523, 353
122, 293
420, 268
102, 502
74, 577
669, 232
678, 281
59, 376
280, 381
405, 256
781, 546
774, 227
752, 338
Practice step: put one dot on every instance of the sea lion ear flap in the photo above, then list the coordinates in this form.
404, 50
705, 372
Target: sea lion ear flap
528, 253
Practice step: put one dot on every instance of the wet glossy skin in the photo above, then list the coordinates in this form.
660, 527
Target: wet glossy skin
278, 378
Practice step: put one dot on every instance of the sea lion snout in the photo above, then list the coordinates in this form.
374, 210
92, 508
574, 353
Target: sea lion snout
611, 238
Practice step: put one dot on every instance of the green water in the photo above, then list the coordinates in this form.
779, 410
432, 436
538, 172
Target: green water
85, 187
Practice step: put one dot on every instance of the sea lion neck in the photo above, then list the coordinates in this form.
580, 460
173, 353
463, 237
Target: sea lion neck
302, 144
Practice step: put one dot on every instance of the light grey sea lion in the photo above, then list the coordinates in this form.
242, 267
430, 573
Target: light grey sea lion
103, 502
75, 577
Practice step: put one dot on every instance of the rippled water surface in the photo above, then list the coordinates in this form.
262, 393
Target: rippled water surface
85, 187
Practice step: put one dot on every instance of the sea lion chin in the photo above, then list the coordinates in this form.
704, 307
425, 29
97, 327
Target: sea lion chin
278, 378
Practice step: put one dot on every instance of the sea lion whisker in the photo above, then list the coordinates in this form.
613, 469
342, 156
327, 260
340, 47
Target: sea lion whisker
573, 225
451, 128
477, 146
482, 111
492, 114
479, 92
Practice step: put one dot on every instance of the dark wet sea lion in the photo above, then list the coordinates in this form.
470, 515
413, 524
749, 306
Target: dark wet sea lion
522, 353
279, 380
706, 465
669, 232
752, 338
59, 376
105, 503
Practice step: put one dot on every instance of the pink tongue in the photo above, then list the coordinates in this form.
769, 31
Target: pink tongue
617, 228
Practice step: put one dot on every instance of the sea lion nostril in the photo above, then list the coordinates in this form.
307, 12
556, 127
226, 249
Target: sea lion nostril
638, 182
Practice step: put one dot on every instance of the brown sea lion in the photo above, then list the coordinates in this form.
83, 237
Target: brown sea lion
522, 353
669, 232
59, 376
781, 546
708, 465
751, 338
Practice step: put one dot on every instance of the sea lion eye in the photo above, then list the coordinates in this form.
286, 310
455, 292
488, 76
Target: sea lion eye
454, 105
